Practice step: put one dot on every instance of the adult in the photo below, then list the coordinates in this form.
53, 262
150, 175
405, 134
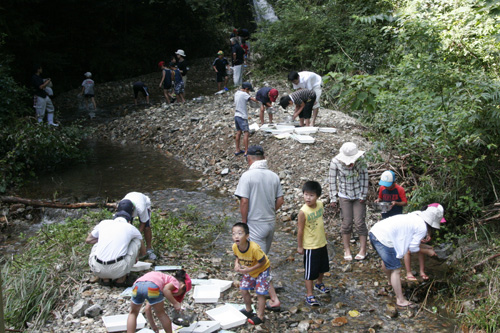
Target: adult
41, 100
260, 193
394, 236
141, 87
117, 245
266, 96
311, 81
182, 65
238, 58
348, 178
139, 205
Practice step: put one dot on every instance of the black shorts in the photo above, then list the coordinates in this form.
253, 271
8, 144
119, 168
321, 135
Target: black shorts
307, 110
315, 262
89, 95
167, 85
221, 76
142, 89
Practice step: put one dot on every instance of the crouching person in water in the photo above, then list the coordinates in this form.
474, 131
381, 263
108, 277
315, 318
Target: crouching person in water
154, 287
117, 247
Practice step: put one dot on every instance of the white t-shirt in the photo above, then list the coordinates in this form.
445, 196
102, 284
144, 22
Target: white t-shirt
88, 85
114, 237
402, 232
142, 205
240, 103
308, 80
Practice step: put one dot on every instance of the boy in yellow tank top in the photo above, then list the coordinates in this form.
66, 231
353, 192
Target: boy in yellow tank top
311, 241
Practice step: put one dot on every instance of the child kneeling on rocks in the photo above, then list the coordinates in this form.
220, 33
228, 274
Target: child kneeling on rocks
254, 264
154, 286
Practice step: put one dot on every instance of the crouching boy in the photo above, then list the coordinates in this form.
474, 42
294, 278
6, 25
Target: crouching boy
253, 263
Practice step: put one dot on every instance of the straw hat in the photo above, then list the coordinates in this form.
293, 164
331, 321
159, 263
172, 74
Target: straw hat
349, 153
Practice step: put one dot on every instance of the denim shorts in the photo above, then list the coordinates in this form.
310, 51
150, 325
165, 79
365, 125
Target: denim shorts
387, 254
260, 283
146, 290
241, 124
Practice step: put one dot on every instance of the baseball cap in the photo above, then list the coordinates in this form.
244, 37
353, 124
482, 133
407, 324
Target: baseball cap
273, 95
161, 64
387, 179
88, 74
220, 53
255, 150
125, 205
188, 284
123, 214
247, 85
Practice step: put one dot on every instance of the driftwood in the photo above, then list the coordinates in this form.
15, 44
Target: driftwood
54, 204
476, 266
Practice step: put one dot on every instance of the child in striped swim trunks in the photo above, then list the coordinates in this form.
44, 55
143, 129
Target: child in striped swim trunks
154, 287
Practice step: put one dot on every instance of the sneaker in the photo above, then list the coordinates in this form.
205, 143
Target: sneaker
311, 300
321, 288
151, 254
226, 89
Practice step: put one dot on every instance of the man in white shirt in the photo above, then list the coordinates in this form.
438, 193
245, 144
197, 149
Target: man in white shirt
311, 81
116, 248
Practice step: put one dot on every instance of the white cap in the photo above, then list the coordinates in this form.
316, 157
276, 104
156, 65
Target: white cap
88, 74
387, 178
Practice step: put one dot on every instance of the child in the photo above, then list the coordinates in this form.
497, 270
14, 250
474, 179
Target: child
154, 286
253, 263
266, 96
391, 192
88, 90
166, 81
178, 82
140, 86
220, 65
311, 241
241, 116
304, 100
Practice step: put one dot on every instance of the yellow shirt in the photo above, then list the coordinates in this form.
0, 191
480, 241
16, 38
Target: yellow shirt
314, 230
251, 257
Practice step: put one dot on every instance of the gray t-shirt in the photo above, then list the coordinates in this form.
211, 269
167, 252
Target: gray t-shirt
240, 103
261, 187
88, 85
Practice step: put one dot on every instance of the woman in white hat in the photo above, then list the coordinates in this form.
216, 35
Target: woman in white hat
348, 178
394, 236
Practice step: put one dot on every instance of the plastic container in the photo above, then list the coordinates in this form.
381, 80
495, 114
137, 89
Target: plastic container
201, 327
206, 294
328, 130
141, 266
167, 268
227, 316
306, 130
222, 284
119, 323
303, 138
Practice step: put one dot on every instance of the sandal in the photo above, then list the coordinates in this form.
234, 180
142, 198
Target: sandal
321, 288
410, 305
411, 278
273, 308
255, 320
248, 314
311, 300
347, 257
105, 283
239, 153
424, 277
360, 257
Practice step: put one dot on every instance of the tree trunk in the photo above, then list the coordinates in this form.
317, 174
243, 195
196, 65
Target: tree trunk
53, 204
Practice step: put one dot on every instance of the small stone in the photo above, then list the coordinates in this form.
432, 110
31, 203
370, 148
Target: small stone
304, 325
224, 171
79, 308
93, 311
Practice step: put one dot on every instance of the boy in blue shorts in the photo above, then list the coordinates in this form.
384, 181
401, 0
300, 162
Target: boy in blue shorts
241, 98
311, 241
253, 263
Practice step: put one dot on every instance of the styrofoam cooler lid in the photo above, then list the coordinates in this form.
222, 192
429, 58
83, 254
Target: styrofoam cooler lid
227, 316
119, 322
204, 326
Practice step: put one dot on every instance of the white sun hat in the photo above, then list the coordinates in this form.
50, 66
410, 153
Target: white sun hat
432, 215
181, 53
88, 74
349, 153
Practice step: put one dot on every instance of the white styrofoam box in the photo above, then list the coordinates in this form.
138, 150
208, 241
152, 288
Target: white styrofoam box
268, 127
200, 282
127, 292
303, 138
204, 326
282, 136
141, 266
206, 294
254, 127
327, 129
119, 323
227, 316
306, 130
167, 268
223, 284
146, 330
285, 127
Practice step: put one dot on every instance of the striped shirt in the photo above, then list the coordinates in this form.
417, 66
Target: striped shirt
302, 96
352, 183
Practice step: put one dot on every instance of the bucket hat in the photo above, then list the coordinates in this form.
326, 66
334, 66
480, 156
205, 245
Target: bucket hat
432, 215
349, 153
181, 53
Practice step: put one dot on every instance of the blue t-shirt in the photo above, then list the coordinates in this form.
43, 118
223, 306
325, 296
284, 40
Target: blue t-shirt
263, 95
396, 194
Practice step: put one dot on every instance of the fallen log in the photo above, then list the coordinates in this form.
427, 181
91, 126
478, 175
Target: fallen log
55, 204
476, 266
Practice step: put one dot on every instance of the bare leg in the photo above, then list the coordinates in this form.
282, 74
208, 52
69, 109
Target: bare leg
314, 115
309, 287
275, 302
301, 122
237, 141
247, 299
93, 102
132, 317
148, 235
261, 305
407, 258
307, 121
320, 278
270, 117
163, 317
261, 115
398, 290
362, 245
421, 263
387, 273
346, 239
245, 141
225, 81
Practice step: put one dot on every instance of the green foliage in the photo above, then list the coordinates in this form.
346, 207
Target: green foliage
321, 36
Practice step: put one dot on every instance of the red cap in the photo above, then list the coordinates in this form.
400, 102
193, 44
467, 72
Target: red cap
188, 283
273, 95
161, 64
